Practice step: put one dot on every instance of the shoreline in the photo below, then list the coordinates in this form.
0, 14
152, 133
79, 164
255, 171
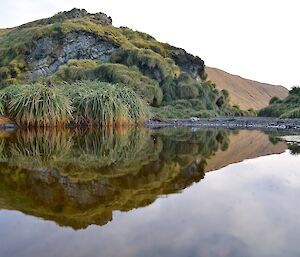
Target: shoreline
249, 123
236, 123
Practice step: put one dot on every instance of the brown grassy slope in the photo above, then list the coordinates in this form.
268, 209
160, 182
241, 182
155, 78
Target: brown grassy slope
4, 31
244, 92
243, 146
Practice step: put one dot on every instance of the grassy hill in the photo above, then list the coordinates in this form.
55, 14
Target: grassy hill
78, 46
244, 92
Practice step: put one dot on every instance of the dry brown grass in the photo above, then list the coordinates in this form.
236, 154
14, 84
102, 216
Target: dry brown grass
244, 92
4, 120
4, 31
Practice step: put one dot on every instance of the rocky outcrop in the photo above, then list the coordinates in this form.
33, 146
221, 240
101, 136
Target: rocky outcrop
99, 18
193, 65
77, 34
51, 52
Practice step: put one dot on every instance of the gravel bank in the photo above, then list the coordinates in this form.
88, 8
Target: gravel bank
260, 123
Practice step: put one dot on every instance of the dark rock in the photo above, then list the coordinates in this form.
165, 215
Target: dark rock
193, 65
100, 18
51, 52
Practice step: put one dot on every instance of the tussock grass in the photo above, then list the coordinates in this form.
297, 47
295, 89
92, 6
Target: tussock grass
101, 107
37, 148
103, 104
83, 103
37, 105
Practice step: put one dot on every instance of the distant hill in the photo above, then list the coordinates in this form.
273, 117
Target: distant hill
244, 146
244, 92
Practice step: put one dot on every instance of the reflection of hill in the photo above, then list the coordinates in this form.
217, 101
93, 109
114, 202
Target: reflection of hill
78, 179
244, 145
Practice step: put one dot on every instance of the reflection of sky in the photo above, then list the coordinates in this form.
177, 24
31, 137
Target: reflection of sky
246, 209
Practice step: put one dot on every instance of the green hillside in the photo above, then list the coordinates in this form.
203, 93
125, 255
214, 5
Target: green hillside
286, 108
79, 46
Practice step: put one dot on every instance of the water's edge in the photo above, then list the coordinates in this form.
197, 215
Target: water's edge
250, 123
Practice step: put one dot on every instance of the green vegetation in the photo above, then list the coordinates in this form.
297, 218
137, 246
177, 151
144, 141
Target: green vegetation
39, 106
184, 98
288, 108
18, 42
83, 103
106, 104
156, 71
113, 73
176, 97
150, 63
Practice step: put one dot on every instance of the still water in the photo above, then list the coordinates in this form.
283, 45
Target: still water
168, 192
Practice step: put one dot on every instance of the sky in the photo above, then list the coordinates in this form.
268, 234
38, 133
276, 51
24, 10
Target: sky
256, 39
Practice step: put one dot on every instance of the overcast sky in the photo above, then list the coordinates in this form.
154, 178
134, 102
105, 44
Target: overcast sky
256, 39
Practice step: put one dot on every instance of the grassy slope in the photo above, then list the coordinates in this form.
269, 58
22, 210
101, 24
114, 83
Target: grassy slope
4, 31
244, 92
182, 96
289, 107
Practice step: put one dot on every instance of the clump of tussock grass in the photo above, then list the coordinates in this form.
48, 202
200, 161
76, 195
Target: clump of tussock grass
101, 107
83, 103
105, 105
37, 105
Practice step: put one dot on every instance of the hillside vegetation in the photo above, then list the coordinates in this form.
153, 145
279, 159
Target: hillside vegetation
243, 92
286, 108
78, 46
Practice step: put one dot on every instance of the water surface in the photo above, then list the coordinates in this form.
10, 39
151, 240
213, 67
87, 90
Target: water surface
170, 192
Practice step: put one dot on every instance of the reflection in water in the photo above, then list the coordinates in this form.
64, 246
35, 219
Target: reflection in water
290, 137
78, 178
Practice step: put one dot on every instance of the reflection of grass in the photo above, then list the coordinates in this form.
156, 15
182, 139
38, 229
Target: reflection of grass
39, 148
91, 153
80, 154
108, 152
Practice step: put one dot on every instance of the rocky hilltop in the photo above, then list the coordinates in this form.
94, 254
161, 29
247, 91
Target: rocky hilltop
77, 34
